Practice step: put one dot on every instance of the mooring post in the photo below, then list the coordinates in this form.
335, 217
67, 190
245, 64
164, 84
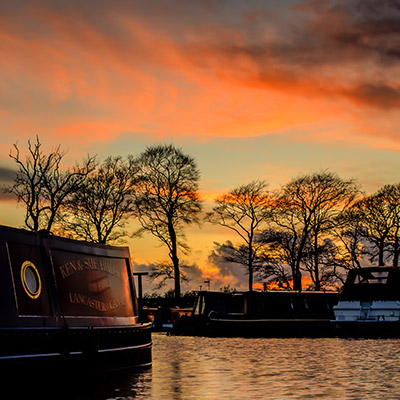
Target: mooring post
140, 292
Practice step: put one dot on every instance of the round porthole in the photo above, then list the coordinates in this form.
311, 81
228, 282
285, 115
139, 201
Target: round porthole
31, 280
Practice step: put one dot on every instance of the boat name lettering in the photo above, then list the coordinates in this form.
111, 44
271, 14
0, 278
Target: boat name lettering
79, 298
99, 285
89, 264
116, 302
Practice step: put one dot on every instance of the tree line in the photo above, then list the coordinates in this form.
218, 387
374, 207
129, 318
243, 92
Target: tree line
95, 200
318, 223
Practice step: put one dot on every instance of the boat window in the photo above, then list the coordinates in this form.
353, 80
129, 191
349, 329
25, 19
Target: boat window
238, 303
377, 277
203, 305
31, 279
200, 305
197, 307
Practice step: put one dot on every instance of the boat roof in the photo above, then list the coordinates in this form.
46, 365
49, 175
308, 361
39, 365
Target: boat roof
45, 233
376, 283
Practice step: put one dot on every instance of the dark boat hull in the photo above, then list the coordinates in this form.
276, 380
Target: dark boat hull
68, 304
260, 314
368, 329
273, 327
91, 349
226, 326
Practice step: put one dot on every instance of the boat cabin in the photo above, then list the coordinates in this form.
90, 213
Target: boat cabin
65, 300
372, 283
262, 314
370, 301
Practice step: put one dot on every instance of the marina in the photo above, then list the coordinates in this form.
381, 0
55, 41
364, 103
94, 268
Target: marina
200, 200
367, 306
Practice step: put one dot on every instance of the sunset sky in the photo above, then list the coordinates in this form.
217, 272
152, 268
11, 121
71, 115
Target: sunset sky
250, 89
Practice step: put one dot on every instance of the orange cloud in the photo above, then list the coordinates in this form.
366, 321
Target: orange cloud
93, 74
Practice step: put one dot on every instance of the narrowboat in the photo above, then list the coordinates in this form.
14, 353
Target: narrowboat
68, 303
370, 303
260, 314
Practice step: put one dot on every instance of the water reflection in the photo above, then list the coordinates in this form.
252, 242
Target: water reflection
188, 368
209, 368
62, 384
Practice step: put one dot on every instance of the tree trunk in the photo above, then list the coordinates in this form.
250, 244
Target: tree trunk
396, 252
317, 281
297, 280
177, 277
381, 254
316, 265
250, 268
174, 258
35, 220
52, 216
51, 220
297, 273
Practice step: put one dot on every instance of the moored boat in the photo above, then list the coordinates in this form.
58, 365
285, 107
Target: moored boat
260, 314
69, 303
370, 303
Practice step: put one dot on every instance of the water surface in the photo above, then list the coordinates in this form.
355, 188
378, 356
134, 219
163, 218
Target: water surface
191, 368
237, 368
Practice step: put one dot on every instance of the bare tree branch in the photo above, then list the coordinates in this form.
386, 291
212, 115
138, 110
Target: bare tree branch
167, 199
42, 186
244, 210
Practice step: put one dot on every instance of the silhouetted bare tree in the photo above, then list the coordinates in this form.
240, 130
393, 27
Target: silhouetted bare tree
380, 217
279, 250
350, 236
245, 210
330, 271
99, 209
376, 218
165, 271
306, 208
391, 195
42, 186
239, 254
167, 198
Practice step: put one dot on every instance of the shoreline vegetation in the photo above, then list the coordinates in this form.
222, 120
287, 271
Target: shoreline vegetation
317, 225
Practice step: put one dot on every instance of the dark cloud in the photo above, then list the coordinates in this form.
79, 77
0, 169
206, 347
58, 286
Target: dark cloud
380, 96
371, 28
193, 274
338, 43
342, 31
5, 195
227, 269
7, 177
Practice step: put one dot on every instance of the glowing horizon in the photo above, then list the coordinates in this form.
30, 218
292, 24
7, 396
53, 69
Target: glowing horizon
252, 90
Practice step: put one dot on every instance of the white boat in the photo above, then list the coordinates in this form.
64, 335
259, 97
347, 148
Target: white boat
370, 302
